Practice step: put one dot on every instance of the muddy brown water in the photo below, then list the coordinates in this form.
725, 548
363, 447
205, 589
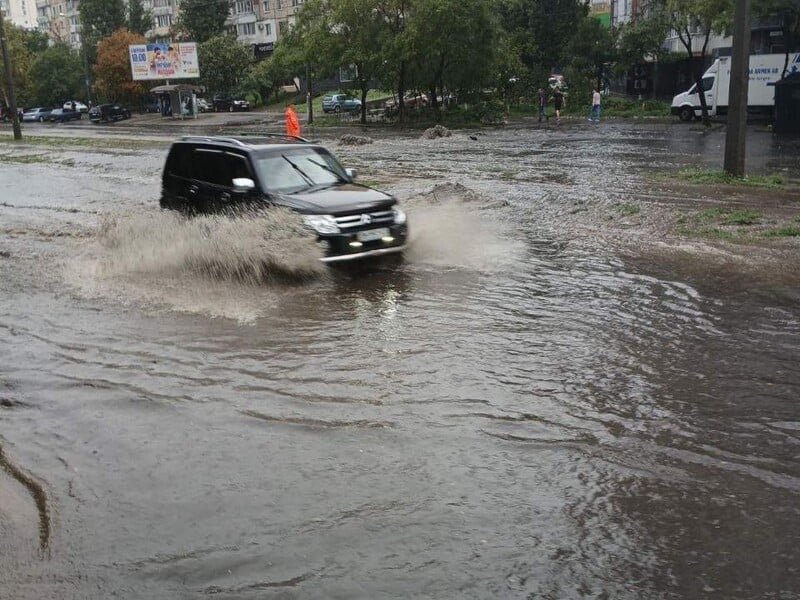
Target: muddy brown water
510, 412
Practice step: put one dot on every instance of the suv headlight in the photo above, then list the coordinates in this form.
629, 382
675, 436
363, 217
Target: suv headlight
399, 216
322, 223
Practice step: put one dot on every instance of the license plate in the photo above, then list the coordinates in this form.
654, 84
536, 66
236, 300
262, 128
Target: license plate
372, 234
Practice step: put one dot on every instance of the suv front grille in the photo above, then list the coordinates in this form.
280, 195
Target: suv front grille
382, 217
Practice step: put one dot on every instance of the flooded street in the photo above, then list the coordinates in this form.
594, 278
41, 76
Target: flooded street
518, 409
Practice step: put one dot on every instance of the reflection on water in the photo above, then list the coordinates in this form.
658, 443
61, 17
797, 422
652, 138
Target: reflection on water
502, 414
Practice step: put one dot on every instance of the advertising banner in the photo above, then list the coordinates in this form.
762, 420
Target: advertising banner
164, 61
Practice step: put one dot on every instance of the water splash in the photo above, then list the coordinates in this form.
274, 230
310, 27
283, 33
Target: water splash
452, 225
212, 265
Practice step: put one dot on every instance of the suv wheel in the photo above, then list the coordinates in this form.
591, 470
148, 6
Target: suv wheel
686, 114
337, 109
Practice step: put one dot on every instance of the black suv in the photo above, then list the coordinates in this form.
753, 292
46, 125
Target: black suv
210, 175
107, 113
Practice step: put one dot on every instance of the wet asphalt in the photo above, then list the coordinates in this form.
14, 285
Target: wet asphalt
515, 410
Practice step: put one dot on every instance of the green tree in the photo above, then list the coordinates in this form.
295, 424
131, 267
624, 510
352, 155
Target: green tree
56, 75
541, 31
223, 63
35, 41
100, 18
643, 38
442, 34
201, 20
256, 84
698, 19
396, 49
594, 50
140, 21
344, 33
113, 80
789, 13
19, 50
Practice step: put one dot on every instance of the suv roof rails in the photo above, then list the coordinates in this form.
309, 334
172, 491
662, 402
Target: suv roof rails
212, 138
238, 142
283, 136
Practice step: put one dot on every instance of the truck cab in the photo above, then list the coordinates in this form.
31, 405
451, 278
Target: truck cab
764, 71
686, 105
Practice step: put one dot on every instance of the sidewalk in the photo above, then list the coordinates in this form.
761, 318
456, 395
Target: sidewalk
203, 121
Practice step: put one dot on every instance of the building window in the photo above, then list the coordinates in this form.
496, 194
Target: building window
247, 28
278, 4
268, 28
297, 2
244, 6
163, 20
266, 6
282, 27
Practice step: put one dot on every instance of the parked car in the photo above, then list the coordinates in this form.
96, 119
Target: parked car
152, 106
108, 113
35, 114
228, 104
79, 106
340, 103
410, 101
231, 176
5, 114
203, 105
60, 115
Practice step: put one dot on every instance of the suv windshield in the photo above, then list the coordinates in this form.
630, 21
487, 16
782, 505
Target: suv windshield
298, 169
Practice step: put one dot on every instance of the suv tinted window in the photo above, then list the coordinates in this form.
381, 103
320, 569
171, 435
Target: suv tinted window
179, 163
218, 167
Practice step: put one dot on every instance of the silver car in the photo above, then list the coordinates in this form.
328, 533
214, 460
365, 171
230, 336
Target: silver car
36, 114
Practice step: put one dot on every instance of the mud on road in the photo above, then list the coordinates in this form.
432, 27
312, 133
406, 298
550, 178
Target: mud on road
580, 382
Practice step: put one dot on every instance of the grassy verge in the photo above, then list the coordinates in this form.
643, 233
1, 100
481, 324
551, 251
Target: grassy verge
736, 225
78, 142
722, 178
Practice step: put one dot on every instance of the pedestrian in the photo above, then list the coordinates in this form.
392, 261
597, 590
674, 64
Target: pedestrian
542, 105
595, 114
558, 103
292, 122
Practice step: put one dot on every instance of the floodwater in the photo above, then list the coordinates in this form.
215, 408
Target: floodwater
510, 412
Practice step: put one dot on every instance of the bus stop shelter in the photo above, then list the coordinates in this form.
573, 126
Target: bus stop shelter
178, 97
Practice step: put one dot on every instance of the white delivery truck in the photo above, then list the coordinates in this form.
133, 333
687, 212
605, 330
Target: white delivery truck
765, 70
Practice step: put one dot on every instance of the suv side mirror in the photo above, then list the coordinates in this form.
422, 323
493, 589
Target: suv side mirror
243, 185
351, 173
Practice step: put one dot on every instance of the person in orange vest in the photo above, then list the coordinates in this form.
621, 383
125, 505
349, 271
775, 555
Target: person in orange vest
292, 122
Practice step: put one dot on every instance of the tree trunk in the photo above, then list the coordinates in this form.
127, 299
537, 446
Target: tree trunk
697, 74
364, 89
401, 92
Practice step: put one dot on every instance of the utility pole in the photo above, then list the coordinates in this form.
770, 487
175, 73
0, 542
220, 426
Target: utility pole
309, 95
12, 99
740, 77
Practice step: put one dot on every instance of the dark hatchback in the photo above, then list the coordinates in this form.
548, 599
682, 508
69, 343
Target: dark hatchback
61, 115
108, 113
228, 104
213, 175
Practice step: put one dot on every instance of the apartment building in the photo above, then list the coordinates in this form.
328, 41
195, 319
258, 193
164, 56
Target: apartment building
258, 23
21, 13
60, 20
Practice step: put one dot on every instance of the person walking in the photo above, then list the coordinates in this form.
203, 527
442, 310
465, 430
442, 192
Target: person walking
558, 103
292, 122
595, 115
542, 105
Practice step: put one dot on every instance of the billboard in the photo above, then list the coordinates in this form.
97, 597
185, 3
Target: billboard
164, 61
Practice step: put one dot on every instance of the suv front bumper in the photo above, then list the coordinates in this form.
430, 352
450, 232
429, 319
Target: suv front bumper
345, 246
